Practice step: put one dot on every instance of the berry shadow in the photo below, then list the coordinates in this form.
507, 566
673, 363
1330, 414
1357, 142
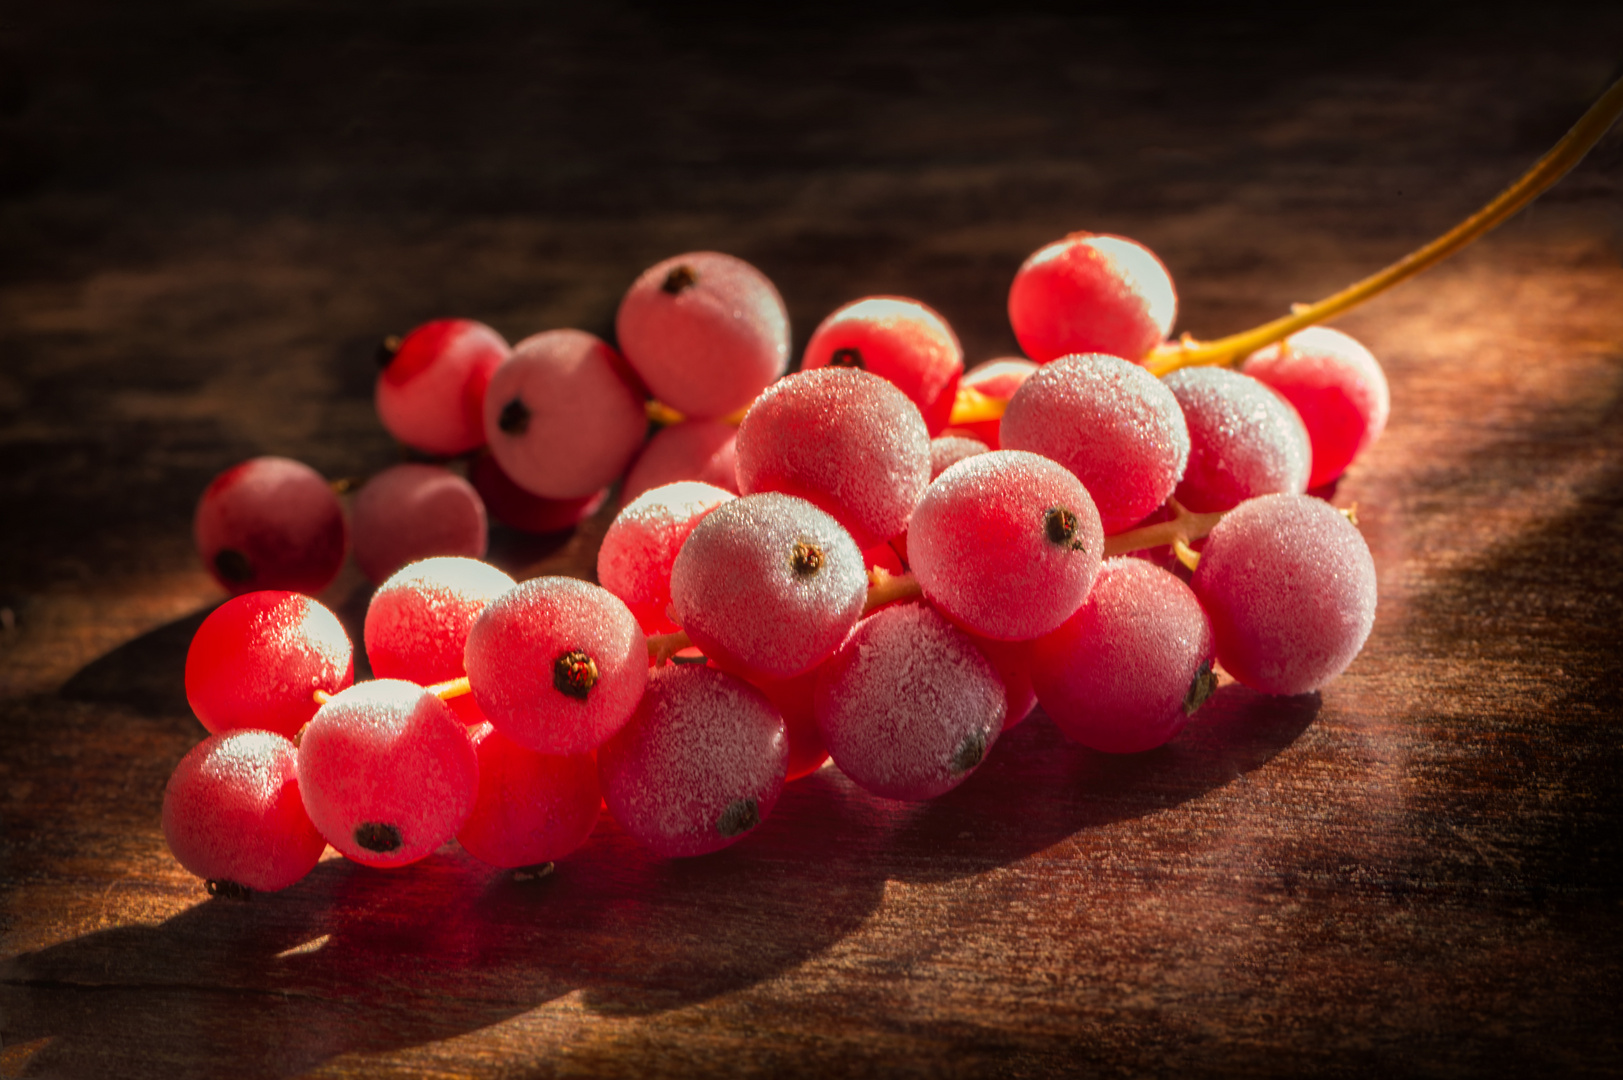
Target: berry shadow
1038, 788
146, 674
359, 961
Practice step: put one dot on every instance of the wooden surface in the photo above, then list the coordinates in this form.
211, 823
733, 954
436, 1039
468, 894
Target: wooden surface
210, 214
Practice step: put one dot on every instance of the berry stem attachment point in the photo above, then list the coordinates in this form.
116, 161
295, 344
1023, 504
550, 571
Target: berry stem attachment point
885, 588
1186, 554
662, 414
451, 688
661, 647
971, 406
1549, 168
1185, 526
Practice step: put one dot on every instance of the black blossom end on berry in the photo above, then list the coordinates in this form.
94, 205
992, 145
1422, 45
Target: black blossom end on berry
680, 278
234, 566
228, 889
387, 348
969, 753
806, 559
851, 358
1203, 686
1061, 527
574, 674
740, 817
378, 837
515, 417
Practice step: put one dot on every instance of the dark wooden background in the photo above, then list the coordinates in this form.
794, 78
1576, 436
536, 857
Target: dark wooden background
209, 213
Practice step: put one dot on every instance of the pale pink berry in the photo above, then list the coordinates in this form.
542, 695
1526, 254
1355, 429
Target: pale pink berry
271, 523
411, 512
557, 664
232, 813
699, 766
561, 417
706, 331
908, 705
387, 772
1113, 424
1006, 543
1289, 585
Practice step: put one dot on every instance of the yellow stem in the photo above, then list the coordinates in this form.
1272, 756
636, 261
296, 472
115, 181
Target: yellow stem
971, 407
661, 647
1186, 554
445, 691
1185, 526
1550, 168
662, 414
885, 587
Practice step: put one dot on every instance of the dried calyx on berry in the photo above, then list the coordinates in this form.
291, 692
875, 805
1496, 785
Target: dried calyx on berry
740, 817
1062, 529
515, 417
574, 674
806, 558
681, 277
1203, 686
376, 836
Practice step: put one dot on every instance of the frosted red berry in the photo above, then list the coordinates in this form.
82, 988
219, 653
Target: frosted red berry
1289, 585
418, 621
900, 340
1006, 543
701, 450
639, 549
1113, 424
699, 766
532, 808
844, 440
1126, 672
233, 816
431, 392
706, 331
768, 585
1092, 293
259, 658
270, 523
1337, 387
411, 512
557, 664
387, 772
908, 706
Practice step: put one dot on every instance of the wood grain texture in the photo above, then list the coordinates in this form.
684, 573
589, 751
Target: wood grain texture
210, 216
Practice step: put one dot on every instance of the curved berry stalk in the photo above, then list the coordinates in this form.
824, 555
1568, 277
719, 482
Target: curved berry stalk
1549, 168
974, 407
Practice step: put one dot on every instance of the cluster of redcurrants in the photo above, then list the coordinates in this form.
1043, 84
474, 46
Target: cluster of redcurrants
879, 559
